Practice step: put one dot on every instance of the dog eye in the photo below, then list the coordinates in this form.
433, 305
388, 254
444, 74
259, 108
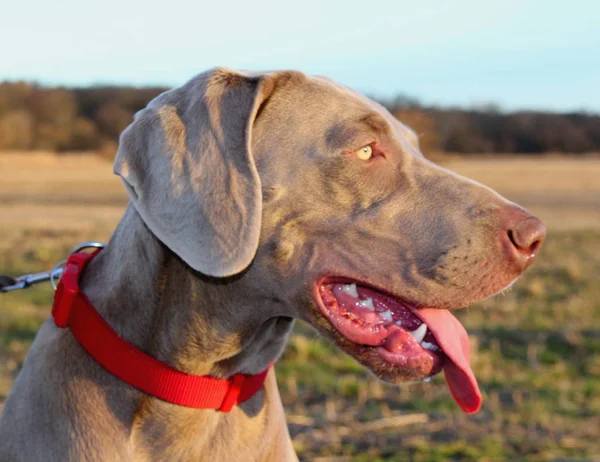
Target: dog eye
364, 153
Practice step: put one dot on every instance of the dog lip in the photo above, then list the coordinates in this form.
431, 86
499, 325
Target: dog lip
393, 344
389, 343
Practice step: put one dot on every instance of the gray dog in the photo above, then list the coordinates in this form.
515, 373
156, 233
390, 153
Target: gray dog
257, 199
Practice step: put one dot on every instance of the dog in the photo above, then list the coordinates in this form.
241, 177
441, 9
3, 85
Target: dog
257, 199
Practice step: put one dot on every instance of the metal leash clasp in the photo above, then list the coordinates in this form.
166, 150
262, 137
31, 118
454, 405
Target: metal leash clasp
9, 284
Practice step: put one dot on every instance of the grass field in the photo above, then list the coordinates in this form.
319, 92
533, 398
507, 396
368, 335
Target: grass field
536, 348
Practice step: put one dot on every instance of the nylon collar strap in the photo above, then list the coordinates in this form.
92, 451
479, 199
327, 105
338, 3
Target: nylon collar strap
73, 310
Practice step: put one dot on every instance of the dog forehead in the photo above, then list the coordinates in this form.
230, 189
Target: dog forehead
310, 106
349, 107
332, 96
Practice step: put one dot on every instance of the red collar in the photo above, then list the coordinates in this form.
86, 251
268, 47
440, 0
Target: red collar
72, 309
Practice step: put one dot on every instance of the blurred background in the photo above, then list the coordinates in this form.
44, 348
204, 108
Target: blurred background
504, 92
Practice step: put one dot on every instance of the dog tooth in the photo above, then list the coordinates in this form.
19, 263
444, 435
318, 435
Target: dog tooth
386, 315
350, 289
367, 303
430, 346
419, 333
398, 323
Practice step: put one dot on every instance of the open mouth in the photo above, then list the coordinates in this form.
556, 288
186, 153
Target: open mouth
418, 342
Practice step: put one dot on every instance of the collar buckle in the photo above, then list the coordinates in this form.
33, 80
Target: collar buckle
68, 289
233, 393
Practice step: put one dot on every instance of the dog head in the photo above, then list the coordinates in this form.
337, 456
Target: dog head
324, 204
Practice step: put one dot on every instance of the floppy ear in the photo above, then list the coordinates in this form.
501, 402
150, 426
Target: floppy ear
188, 168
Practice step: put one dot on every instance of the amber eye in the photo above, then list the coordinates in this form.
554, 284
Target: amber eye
364, 153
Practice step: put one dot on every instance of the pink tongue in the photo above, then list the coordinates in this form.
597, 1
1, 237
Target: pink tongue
454, 341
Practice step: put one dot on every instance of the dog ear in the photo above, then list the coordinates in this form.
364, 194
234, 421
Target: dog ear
187, 165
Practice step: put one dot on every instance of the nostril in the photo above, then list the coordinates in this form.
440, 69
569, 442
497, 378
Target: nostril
529, 247
511, 237
527, 236
533, 248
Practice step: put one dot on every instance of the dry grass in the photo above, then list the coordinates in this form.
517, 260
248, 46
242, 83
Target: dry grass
563, 192
48, 196
536, 348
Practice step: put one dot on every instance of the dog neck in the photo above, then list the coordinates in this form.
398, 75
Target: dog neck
196, 324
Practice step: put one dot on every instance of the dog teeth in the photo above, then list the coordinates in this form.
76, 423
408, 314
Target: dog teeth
419, 333
430, 346
366, 303
386, 316
350, 289
398, 323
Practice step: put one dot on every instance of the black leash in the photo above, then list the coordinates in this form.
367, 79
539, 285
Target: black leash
6, 281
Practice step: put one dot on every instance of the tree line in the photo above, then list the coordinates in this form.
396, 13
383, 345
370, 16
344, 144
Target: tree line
81, 119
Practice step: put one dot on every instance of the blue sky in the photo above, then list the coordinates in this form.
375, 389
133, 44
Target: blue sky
519, 54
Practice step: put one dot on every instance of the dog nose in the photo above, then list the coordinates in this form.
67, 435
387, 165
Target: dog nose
525, 236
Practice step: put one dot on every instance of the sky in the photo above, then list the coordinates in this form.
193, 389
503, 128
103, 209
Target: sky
517, 54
